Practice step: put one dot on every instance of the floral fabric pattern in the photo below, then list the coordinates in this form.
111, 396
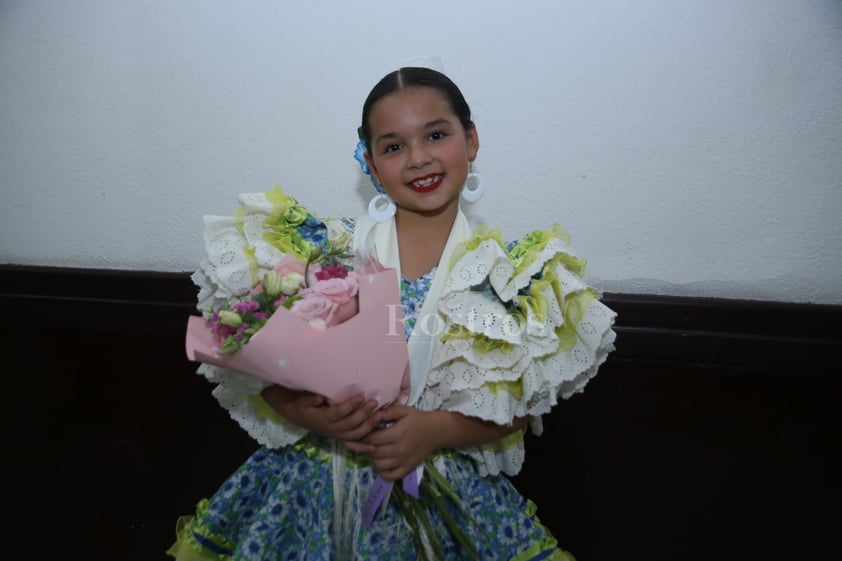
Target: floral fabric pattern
279, 505
412, 298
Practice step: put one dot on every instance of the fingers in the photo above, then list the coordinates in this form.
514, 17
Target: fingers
352, 413
346, 408
391, 470
393, 413
349, 420
309, 399
359, 447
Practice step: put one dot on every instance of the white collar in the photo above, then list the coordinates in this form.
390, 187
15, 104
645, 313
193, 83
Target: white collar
425, 338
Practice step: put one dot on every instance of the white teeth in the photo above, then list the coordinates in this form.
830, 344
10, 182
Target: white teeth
425, 182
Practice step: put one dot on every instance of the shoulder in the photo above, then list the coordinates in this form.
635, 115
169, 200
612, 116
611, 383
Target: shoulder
515, 263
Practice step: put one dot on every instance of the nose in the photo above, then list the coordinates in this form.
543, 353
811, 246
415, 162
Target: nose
419, 155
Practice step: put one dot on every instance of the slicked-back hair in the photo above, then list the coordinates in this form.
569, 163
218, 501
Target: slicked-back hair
416, 77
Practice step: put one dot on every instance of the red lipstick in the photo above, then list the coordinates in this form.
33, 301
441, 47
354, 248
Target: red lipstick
426, 183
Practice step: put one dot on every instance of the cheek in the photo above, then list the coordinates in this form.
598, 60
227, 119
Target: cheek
389, 171
457, 161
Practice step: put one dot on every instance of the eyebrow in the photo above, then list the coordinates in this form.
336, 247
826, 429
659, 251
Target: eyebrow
427, 126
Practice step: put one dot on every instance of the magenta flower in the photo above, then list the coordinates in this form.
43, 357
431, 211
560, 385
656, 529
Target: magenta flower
332, 272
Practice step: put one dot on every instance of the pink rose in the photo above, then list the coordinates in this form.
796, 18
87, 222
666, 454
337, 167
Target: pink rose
328, 302
314, 308
343, 311
338, 290
289, 264
313, 272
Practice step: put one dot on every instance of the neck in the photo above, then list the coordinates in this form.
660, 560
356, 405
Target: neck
421, 240
426, 225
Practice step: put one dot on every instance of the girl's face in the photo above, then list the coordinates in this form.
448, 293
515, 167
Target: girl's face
420, 152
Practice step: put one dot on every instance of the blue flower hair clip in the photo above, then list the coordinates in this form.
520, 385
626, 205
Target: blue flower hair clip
359, 155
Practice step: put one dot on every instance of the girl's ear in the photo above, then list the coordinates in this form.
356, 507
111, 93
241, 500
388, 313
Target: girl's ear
370, 163
473, 143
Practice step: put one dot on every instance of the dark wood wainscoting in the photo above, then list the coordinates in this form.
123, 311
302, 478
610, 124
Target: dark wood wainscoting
712, 432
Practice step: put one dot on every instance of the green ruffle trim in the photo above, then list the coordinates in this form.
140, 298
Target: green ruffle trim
320, 448
481, 344
263, 410
280, 229
239, 219
513, 440
478, 235
281, 226
541, 548
526, 251
574, 305
548, 544
188, 546
533, 298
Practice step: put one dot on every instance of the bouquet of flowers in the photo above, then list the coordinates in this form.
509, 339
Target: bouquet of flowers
322, 319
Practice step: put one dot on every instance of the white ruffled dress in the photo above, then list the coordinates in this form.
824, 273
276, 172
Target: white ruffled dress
503, 331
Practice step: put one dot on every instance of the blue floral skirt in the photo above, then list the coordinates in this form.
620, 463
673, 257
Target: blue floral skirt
280, 505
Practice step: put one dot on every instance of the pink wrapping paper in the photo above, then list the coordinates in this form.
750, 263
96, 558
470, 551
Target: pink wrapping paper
365, 354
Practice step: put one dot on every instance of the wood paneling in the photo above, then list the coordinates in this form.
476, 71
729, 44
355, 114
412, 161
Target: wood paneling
712, 432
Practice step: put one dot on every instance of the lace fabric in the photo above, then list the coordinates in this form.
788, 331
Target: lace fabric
562, 337
550, 356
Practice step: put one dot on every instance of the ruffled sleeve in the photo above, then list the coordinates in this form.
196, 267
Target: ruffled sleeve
240, 249
522, 330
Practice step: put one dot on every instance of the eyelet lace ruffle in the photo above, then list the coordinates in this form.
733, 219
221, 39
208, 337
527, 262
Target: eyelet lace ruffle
238, 254
522, 328
239, 394
519, 337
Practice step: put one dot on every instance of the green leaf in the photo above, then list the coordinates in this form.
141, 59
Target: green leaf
290, 301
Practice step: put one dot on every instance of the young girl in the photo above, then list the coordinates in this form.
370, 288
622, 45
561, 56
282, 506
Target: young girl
497, 333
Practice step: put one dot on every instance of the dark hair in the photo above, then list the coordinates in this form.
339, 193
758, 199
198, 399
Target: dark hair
409, 77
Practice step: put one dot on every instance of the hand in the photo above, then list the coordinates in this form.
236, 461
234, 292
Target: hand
405, 444
416, 434
349, 421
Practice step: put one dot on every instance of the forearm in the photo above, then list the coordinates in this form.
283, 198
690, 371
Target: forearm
454, 430
347, 420
282, 400
410, 435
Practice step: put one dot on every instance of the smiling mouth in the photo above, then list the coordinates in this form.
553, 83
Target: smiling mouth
427, 183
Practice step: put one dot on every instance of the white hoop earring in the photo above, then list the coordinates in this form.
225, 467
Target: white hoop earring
473, 189
377, 211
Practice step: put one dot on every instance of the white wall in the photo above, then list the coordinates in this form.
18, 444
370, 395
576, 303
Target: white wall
690, 148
